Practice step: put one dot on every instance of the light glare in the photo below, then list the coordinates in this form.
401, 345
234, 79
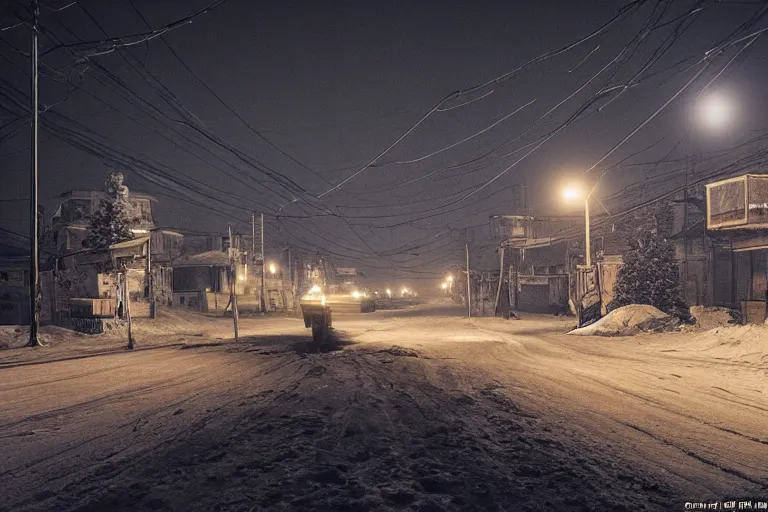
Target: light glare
571, 193
715, 111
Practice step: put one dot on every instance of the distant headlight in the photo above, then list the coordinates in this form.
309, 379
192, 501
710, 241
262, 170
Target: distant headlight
315, 289
356, 295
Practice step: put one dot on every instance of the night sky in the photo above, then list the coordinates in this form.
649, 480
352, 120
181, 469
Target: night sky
333, 85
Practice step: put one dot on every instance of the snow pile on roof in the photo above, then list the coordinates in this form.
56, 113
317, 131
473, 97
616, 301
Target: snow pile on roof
711, 318
626, 320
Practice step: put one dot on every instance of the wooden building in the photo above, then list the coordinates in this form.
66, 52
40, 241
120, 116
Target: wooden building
737, 217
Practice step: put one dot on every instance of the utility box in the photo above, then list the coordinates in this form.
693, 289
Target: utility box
738, 203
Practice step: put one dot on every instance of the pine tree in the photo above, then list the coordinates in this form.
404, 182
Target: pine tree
111, 223
649, 274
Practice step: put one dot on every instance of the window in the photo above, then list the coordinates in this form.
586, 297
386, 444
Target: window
181, 300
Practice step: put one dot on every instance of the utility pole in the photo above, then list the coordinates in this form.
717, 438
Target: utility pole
253, 242
501, 280
263, 269
290, 281
469, 289
526, 225
588, 244
150, 277
688, 166
34, 271
127, 300
232, 281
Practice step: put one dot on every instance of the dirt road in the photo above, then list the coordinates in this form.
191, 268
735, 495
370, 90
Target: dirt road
417, 409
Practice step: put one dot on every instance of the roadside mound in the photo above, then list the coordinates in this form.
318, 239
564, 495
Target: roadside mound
737, 343
629, 320
17, 336
708, 318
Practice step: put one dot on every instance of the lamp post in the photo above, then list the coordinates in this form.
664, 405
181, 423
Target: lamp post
572, 193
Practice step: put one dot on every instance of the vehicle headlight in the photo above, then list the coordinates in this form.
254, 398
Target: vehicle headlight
356, 294
315, 289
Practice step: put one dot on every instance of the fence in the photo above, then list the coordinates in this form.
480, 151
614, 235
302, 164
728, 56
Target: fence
584, 291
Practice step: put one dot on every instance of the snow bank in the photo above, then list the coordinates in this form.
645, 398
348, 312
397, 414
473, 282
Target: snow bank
712, 318
627, 320
736, 343
16, 336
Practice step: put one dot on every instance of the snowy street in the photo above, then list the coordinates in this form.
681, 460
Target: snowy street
412, 409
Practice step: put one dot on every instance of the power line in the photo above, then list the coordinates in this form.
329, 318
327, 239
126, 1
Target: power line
499, 79
119, 42
224, 103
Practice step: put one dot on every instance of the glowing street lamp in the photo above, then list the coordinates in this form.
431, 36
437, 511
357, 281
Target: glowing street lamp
272, 268
571, 193
444, 286
715, 111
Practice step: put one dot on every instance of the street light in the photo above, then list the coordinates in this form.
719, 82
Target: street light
389, 293
444, 286
573, 192
272, 268
715, 111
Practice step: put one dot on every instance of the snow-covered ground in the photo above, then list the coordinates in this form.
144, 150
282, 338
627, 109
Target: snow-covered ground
411, 409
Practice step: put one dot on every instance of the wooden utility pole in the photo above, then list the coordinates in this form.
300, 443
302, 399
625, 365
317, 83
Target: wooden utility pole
150, 277
127, 300
291, 281
588, 243
469, 288
253, 242
501, 279
34, 271
263, 269
232, 282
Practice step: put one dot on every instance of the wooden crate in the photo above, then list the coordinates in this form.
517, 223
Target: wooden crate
92, 308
